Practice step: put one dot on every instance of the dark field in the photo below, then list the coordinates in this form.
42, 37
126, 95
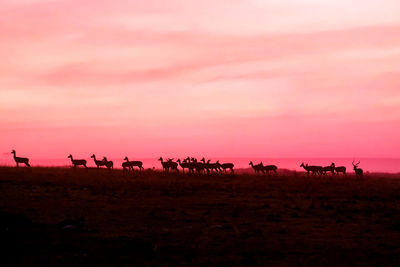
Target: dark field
167, 219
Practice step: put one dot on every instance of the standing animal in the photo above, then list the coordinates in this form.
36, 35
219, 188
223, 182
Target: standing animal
269, 168
20, 160
185, 165
108, 163
257, 168
359, 172
214, 166
226, 166
340, 169
330, 168
312, 169
206, 165
167, 165
77, 162
98, 162
130, 164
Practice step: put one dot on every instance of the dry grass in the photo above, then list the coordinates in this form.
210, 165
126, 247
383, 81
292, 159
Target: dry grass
173, 219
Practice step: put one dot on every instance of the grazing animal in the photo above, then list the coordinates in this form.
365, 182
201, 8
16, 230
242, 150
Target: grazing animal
340, 169
269, 168
109, 163
167, 165
359, 172
20, 160
257, 168
312, 169
226, 166
330, 168
77, 162
130, 164
98, 162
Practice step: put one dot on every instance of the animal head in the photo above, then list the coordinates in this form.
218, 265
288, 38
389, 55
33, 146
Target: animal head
355, 166
302, 164
251, 163
13, 151
160, 159
333, 164
70, 156
93, 156
126, 158
105, 158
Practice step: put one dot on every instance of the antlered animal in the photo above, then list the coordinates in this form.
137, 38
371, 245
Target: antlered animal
359, 172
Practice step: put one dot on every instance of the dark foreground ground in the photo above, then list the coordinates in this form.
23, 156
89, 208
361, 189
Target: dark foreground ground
172, 220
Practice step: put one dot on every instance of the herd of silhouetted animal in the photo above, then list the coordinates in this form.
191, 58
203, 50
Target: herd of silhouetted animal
201, 166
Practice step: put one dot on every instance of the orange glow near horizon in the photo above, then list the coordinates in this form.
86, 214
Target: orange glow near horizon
237, 78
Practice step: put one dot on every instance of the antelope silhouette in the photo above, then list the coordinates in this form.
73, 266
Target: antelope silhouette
312, 169
226, 166
198, 166
214, 166
185, 165
359, 172
330, 168
167, 165
339, 169
269, 168
130, 164
257, 168
108, 163
98, 162
77, 162
206, 165
20, 160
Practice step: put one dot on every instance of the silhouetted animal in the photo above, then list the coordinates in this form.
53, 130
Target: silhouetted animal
269, 168
226, 166
109, 163
130, 164
214, 166
340, 169
98, 162
184, 165
330, 168
312, 169
78, 162
20, 160
257, 168
167, 165
206, 165
359, 172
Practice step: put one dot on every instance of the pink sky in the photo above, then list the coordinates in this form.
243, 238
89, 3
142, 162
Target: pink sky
231, 78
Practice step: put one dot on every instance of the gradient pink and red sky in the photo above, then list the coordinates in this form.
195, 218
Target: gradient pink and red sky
232, 78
